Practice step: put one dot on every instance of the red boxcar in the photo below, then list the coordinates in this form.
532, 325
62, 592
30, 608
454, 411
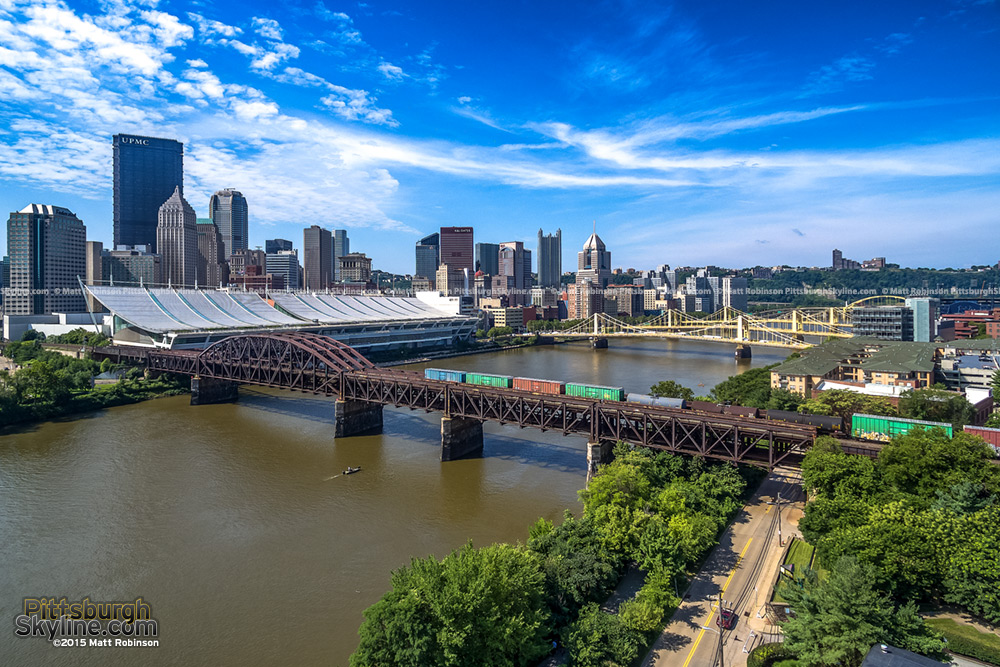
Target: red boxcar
704, 406
741, 411
539, 386
990, 435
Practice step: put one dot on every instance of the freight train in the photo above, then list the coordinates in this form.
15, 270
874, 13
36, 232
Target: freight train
553, 387
863, 427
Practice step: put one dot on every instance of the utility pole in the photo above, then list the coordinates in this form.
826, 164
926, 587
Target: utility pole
780, 543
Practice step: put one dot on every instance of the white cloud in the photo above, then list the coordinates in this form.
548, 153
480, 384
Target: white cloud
268, 28
212, 28
390, 71
357, 105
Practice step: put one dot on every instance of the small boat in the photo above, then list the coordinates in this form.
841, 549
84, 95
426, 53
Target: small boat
351, 471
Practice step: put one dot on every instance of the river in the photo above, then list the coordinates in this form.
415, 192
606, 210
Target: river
231, 522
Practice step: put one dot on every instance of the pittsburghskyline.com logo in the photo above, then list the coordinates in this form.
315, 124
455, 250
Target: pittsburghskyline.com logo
81, 623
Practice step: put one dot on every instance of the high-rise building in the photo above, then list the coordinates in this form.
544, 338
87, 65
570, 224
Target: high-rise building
272, 246
285, 263
228, 210
925, 314
451, 281
355, 267
317, 254
212, 268
95, 273
585, 299
239, 261
594, 262
341, 247
457, 249
515, 262
885, 322
47, 247
550, 259
132, 267
177, 241
146, 171
427, 250
734, 293
488, 258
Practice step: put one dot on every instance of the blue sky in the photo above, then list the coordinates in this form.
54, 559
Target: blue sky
731, 133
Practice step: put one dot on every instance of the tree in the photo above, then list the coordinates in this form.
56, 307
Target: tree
598, 639
972, 570
476, 607
751, 389
994, 419
836, 621
782, 399
922, 462
671, 389
844, 404
936, 404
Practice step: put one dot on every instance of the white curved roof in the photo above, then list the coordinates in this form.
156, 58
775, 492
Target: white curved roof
162, 310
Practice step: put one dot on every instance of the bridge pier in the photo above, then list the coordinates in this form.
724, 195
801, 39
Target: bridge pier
356, 418
461, 437
597, 453
208, 391
743, 351
599, 343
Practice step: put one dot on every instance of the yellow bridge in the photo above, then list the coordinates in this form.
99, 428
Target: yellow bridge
779, 328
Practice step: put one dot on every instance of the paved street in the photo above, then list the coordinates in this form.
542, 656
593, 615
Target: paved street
741, 567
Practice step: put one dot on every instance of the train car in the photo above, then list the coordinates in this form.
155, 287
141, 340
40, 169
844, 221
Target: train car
444, 375
822, 422
659, 401
539, 386
740, 411
990, 435
705, 406
488, 380
884, 429
595, 391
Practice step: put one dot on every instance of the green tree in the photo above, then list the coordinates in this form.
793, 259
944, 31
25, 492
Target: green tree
476, 607
923, 462
782, 399
844, 404
972, 569
996, 382
598, 639
645, 612
671, 389
994, 419
751, 388
936, 404
838, 620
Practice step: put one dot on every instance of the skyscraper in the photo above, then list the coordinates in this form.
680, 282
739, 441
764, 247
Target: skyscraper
488, 258
427, 256
341, 247
457, 249
272, 246
228, 210
212, 268
594, 262
47, 250
550, 259
317, 256
285, 263
515, 262
177, 241
146, 172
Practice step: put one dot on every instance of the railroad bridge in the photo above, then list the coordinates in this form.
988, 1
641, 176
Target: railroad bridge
320, 365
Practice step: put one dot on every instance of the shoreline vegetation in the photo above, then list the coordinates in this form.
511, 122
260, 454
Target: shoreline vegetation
515, 604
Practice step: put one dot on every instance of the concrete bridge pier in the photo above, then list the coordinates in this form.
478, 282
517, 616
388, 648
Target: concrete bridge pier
461, 437
743, 351
599, 343
597, 453
356, 418
208, 391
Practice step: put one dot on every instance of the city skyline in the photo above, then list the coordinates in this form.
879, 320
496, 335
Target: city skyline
694, 135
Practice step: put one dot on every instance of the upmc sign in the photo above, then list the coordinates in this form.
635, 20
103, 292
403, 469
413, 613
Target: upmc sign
133, 140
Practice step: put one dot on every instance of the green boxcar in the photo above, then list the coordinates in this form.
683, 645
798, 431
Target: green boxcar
595, 391
487, 380
884, 429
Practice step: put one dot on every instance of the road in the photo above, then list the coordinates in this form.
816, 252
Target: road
741, 568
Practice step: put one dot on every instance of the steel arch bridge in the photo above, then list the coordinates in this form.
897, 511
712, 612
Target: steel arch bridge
779, 328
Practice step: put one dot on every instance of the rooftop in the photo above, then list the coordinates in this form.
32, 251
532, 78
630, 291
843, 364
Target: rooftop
897, 657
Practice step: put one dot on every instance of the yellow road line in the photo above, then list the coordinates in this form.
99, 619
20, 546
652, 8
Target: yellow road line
708, 621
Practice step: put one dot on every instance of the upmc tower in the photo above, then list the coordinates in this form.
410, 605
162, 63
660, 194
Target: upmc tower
146, 171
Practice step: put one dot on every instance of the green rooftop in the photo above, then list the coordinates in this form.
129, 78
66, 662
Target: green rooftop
879, 355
